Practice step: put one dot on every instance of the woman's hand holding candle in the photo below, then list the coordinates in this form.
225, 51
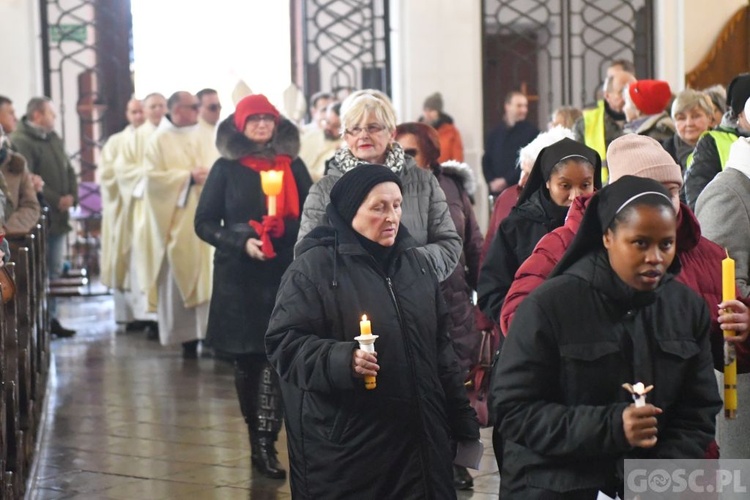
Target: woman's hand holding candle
639, 425
365, 364
734, 316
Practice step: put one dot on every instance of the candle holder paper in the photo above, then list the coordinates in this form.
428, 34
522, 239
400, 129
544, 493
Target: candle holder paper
270, 182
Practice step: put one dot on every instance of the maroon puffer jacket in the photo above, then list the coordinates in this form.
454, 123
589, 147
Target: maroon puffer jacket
701, 271
459, 286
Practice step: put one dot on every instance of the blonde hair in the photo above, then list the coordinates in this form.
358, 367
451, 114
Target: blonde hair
689, 99
358, 104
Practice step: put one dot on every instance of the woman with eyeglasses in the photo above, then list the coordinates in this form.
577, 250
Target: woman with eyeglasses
369, 125
253, 249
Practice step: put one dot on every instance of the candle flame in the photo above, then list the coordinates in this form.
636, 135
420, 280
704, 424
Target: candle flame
364, 317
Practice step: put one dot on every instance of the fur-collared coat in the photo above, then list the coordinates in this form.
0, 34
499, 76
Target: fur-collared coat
22, 207
244, 289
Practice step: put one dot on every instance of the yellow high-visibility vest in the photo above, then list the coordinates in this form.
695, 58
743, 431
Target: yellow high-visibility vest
723, 142
594, 136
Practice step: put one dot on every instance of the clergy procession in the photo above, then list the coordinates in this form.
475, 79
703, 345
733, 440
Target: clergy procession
380, 338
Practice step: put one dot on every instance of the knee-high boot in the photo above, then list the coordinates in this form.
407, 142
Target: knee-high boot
270, 413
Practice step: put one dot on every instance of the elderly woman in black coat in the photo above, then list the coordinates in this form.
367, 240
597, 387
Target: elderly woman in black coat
346, 441
611, 313
253, 249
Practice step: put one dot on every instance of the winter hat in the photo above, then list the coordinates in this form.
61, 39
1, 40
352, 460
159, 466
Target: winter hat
650, 96
641, 156
351, 190
738, 93
256, 104
434, 101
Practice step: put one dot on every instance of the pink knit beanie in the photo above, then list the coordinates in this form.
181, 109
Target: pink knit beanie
642, 156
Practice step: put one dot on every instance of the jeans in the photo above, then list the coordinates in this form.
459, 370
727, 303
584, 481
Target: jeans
55, 253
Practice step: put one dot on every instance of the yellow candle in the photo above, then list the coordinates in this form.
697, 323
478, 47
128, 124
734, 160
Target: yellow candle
270, 182
366, 329
364, 326
730, 370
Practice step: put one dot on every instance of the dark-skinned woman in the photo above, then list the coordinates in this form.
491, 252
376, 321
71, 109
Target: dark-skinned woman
563, 414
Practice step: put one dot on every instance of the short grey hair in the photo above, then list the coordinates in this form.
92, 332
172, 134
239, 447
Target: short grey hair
358, 104
36, 104
689, 99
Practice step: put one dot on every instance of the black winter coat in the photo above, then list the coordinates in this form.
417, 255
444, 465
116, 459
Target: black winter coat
501, 150
244, 289
557, 386
513, 243
706, 164
345, 441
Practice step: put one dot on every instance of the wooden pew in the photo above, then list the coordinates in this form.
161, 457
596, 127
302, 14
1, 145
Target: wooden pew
15, 447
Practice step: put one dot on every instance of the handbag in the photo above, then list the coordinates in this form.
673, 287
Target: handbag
7, 285
478, 381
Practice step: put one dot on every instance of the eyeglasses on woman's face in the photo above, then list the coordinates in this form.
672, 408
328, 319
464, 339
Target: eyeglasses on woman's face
371, 129
261, 118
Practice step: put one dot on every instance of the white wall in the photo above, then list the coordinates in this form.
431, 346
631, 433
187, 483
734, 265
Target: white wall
20, 51
436, 45
669, 39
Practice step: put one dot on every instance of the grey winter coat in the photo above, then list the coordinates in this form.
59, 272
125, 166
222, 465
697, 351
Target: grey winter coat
425, 214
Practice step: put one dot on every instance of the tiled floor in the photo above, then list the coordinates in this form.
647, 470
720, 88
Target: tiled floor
128, 419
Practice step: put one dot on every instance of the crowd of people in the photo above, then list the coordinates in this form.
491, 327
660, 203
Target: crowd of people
601, 265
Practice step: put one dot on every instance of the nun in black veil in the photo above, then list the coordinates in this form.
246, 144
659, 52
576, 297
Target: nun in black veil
610, 313
562, 171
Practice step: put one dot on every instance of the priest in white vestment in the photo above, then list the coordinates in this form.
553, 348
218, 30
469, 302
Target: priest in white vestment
318, 145
208, 118
135, 238
175, 174
116, 231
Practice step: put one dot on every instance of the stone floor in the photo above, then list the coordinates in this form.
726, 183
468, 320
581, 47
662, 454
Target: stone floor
128, 419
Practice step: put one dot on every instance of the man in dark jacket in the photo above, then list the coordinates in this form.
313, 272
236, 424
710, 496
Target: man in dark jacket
503, 143
36, 139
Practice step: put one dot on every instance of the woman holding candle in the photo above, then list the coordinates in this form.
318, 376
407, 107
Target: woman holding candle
369, 123
566, 420
253, 249
393, 441
724, 215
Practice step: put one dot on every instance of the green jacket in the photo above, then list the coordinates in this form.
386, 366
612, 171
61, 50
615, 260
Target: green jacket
45, 154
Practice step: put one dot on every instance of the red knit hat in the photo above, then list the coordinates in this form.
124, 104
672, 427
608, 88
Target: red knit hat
255, 104
650, 96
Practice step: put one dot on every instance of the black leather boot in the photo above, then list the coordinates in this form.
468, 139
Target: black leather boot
264, 457
462, 480
269, 414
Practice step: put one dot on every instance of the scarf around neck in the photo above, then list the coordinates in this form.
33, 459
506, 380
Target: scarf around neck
394, 158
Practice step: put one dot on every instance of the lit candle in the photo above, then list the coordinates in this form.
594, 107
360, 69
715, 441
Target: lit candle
270, 181
364, 326
367, 343
730, 368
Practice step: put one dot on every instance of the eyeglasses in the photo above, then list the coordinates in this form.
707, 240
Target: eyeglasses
214, 107
371, 129
261, 118
413, 152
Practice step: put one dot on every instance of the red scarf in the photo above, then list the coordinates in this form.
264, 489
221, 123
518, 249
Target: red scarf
287, 201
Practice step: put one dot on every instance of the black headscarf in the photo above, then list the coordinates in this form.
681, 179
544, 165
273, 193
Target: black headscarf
348, 194
602, 210
550, 156
353, 187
